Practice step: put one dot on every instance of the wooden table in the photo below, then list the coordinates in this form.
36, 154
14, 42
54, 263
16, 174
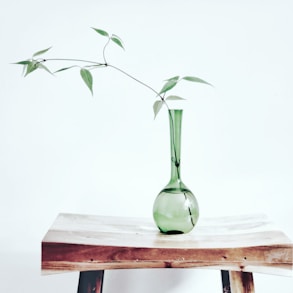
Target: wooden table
237, 246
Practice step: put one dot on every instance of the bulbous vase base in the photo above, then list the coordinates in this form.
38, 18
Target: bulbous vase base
175, 211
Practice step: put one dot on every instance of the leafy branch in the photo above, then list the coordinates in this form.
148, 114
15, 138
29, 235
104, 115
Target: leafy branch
86, 66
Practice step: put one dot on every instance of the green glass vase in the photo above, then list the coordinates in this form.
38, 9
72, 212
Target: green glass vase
175, 209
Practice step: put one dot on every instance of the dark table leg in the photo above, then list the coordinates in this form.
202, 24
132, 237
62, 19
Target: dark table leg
226, 282
90, 282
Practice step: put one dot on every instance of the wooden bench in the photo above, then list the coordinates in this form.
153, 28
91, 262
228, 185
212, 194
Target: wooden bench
238, 246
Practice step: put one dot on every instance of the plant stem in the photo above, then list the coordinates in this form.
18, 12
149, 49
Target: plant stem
134, 78
76, 60
104, 50
107, 65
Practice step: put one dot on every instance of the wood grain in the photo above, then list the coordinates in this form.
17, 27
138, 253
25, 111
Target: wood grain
241, 282
248, 243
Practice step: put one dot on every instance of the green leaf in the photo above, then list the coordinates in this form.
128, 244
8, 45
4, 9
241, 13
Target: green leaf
168, 85
174, 98
195, 79
175, 78
25, 62
30, 67
157, 107
101, 32
65, 68
41, 52
117, 41
87, 78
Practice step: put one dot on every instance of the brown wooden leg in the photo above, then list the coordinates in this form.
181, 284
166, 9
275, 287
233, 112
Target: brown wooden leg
241, 282
90, 282
237, 282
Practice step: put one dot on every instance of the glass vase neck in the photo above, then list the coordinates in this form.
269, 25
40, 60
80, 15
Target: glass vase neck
175, 122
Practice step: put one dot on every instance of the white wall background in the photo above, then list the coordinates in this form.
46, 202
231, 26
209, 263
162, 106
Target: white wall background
62, 150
